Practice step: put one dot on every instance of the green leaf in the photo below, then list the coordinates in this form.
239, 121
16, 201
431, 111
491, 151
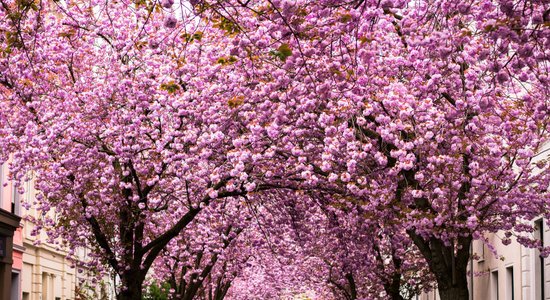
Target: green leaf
226, 60
170, 87
284, 51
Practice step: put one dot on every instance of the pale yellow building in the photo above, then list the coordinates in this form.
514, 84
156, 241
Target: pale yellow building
46, 273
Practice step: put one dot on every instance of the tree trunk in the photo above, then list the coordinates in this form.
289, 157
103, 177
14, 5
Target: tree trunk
453, 284
454, 293
393, 285
448, 263
393, 291
396, 296
132, 293
133, 282
352, 286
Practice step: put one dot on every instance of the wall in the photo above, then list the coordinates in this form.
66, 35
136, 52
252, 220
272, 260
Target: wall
6, 197
42, 271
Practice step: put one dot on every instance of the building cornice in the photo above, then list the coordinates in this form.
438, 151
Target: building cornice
8, 222
19, 248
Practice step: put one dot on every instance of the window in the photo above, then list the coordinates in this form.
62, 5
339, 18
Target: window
510, 283
15, 286
539, 261
494, 285
15, 201
45, 286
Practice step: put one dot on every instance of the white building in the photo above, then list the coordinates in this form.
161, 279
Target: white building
518, 273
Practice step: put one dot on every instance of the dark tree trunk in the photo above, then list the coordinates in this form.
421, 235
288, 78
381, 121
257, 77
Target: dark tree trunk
393, 288
454, 293
352, 286
222, 290
393, 285
448, 263
133, 281
454, 285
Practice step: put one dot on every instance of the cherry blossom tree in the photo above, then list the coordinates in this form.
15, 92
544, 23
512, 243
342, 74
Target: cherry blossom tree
136, 116
277, 264
113, 108
362, 258
299, 244
204, 259
223, 257
428, 112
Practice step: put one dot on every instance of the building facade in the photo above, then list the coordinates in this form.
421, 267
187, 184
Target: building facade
513, 273
40, 271
10, 205
516, 273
